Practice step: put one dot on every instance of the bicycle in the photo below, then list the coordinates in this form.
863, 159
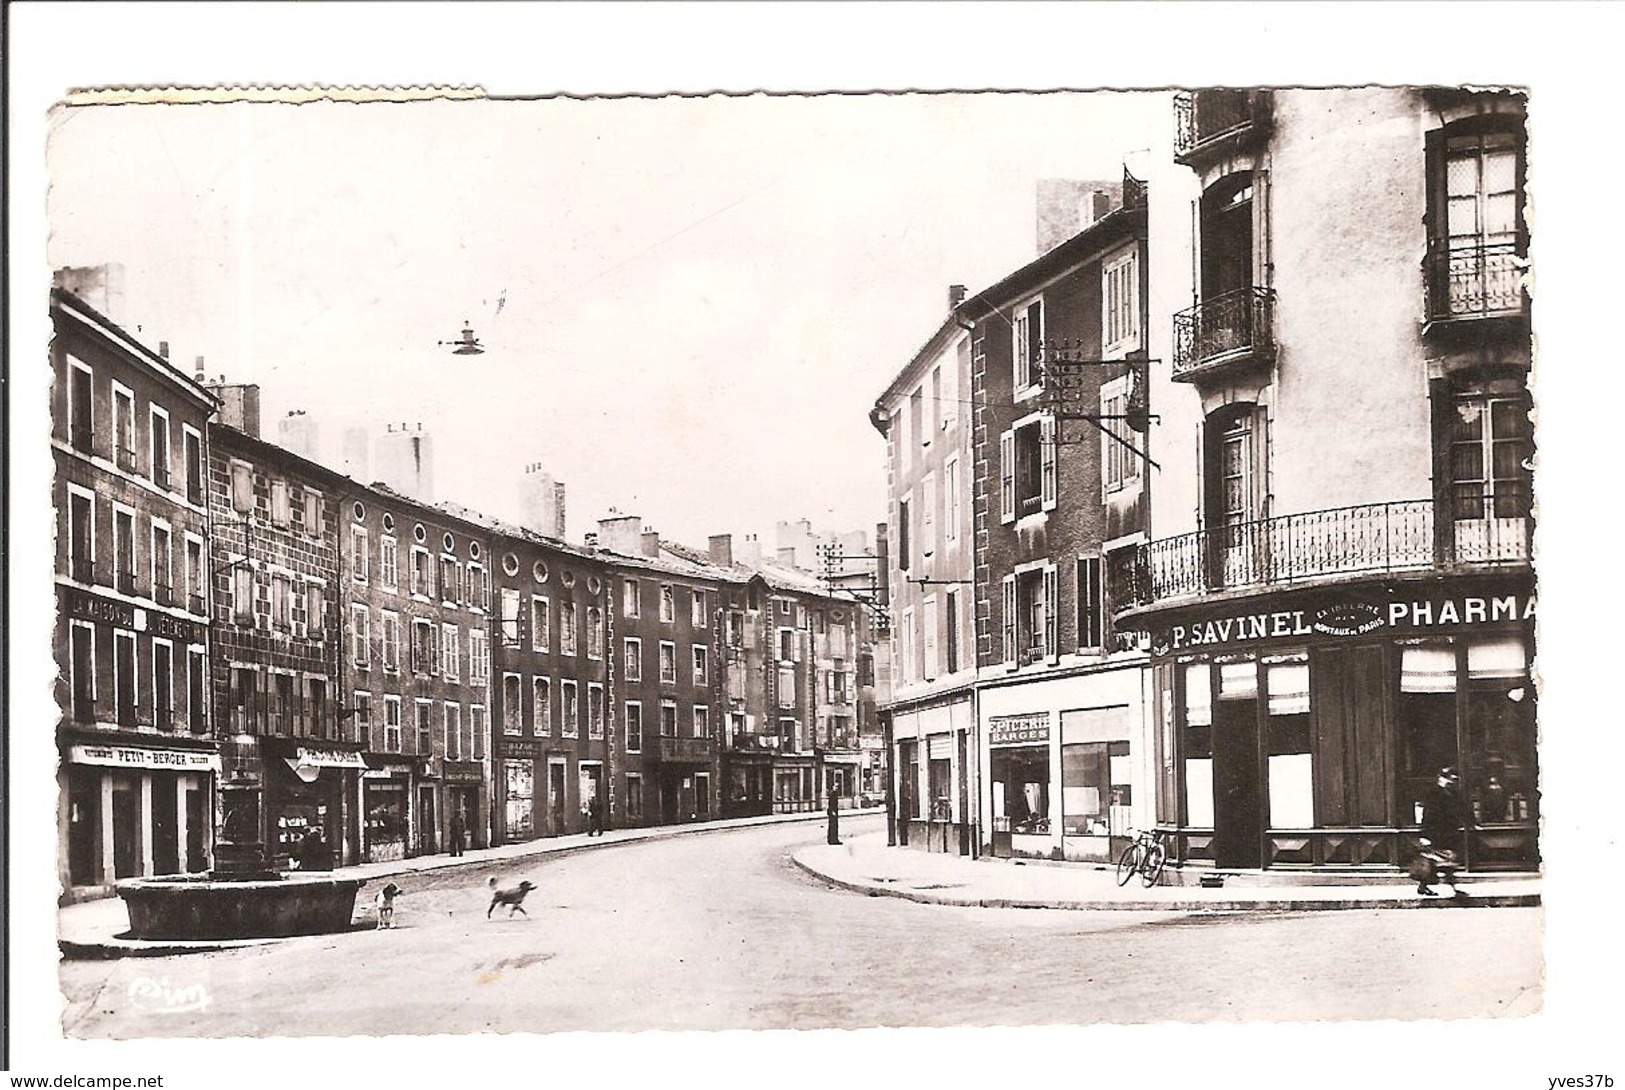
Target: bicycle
1145, 857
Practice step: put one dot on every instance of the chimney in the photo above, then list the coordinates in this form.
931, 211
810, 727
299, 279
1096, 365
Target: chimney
406, 462
1102, 201
621, 533
956, 295
591, 538
786, 556
721, 548
239, 403
298, 434
650, 541
163, 353
99, 286
541, 502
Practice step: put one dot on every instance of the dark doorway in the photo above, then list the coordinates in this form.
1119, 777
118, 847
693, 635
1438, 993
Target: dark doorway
126, 829
84, 825
427, 838
1238, 817
197, 830
166, 841
555, 798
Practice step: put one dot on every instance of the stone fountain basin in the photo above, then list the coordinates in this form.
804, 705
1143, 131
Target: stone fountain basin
201, 906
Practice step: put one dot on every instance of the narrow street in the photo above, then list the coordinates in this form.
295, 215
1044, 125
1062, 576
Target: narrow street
721, 931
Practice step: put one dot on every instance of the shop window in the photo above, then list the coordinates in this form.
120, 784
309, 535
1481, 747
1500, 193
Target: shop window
1425, 720
940, 784
1085, 789
908, 775
1498, 777
634, 796
1027, 469
1198, 746
1290, 762
1020, 779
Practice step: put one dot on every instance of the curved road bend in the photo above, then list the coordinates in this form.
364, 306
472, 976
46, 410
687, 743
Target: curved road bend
722, 931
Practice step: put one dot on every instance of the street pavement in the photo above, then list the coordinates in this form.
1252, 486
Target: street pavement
724, 930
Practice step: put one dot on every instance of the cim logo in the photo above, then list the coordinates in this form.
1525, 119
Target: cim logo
159, 997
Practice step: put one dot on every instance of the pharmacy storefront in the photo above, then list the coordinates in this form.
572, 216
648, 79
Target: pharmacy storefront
1300, 729
1065, 764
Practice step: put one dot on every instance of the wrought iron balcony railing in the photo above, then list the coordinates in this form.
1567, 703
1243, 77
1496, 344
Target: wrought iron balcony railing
685, 749
756, 742
1230, 327
1479, 281
1204, 117
1380, 537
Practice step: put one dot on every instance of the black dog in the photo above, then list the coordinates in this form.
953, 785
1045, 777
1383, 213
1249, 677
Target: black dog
514, 898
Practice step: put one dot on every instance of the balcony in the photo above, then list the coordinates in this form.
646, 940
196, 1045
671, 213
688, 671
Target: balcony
1315, 545
1225, 332
756, 743
1211, 123
684, 749
1474, 282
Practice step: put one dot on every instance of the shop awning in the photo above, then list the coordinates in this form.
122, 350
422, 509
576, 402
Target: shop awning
308, 761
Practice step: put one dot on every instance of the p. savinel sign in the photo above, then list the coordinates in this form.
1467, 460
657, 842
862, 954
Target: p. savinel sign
1351, 618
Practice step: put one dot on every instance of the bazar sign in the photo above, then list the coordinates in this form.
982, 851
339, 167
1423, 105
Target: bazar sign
1354, 619
1009, 730
185, 760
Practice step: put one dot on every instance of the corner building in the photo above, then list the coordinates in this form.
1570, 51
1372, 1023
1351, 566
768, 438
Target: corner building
138, 761
1340, 597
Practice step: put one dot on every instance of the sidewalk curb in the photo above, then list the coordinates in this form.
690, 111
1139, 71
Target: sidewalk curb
1282, 904
114, 947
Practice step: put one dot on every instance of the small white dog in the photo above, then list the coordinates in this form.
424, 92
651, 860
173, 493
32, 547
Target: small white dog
385, 900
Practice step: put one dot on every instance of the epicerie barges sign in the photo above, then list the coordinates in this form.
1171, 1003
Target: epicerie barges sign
1015, 730
1352, 618
183, 760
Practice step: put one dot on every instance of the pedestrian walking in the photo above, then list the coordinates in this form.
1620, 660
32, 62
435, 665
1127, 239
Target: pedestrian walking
457, 830
1440, 835
595, 816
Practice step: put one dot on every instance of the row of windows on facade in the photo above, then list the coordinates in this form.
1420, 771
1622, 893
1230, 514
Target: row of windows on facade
934, 406
279, 601
125, 571
534, 614
632, 605
1028, 478
280, 702
541, 719
928, 646
274, 501
427, 574
121, 440
460, 738
431, 654
134, 703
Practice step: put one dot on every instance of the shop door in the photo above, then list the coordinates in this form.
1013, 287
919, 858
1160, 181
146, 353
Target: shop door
197, 830
126, 829
166, 845
427, 830
702, 795
1238, 818
555, 798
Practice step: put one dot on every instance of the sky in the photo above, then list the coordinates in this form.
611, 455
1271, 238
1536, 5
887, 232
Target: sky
688, 304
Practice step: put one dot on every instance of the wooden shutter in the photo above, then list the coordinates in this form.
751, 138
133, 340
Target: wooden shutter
1007, 477
1008, 619
1046, 463
1052, 614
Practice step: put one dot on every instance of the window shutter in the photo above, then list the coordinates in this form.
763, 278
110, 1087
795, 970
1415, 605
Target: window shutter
1047, 468
242, 487
1052, 615
1261, 463
1007, 618
1435, 219
1007, 477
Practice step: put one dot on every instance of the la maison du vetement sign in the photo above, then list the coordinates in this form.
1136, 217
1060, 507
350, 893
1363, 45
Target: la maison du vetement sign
1397, 614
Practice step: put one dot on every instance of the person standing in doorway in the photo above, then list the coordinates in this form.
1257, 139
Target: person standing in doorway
457, 830
1440, 834
595, 816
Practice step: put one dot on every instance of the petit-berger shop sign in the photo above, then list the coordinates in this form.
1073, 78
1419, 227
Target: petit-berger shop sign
1398, 614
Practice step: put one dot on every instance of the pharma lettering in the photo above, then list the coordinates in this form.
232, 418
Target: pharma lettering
1340, 620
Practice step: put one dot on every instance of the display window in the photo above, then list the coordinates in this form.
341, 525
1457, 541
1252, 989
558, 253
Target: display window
1499, 736
384, 824
1020, 778
1291, 764
1095, 797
